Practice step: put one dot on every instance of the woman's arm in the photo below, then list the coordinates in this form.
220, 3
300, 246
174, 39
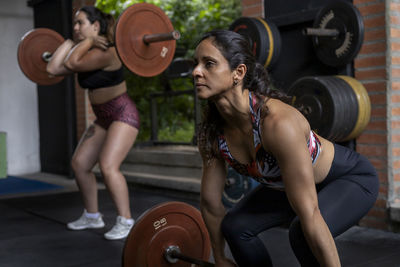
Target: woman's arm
56, 64
286, 140
212, 209
89, 54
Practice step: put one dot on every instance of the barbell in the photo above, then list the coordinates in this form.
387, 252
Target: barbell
337, 107
145, 41
165, 235
337, 35
34, 52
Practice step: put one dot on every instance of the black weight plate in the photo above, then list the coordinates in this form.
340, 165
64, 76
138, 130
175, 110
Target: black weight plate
346, 108
260, 37
236, 187
271, 35
317, 103
340, 50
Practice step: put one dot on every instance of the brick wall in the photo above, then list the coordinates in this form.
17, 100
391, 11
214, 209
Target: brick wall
393, 29
375, 66
370, 69
253, 8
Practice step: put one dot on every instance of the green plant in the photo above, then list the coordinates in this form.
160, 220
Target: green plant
191, 19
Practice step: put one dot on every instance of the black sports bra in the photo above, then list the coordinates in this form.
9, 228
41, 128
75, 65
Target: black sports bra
100, 78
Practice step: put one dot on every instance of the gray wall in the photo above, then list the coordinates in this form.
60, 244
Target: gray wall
18, 96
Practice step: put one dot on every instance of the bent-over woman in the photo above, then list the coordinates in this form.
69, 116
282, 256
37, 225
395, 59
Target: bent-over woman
320, 188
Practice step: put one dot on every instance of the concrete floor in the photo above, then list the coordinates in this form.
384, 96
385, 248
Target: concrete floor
33, 232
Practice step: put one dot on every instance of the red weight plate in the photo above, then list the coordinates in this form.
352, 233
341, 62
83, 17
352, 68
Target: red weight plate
30, 50
167, 224
144, 59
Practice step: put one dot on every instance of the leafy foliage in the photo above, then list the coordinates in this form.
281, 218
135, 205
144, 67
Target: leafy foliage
191, 19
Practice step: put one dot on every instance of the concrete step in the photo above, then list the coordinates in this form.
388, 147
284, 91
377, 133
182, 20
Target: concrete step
165, 170
186, 156
169, 167
187, 184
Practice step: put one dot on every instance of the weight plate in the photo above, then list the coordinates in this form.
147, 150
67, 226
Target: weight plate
236, 187
263, 37
167, 224
317, 105
274, 41
329, 104
30, 51
346, 107
144, 59
364, 106
340, 50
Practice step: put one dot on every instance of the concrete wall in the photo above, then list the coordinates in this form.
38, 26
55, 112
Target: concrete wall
18, 96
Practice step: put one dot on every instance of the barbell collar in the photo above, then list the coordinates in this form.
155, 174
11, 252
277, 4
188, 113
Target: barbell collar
46, 56
321, 32
173, 253
169, 254
160, 37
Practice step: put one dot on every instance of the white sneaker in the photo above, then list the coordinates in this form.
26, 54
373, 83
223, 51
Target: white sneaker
85, 223
120, 230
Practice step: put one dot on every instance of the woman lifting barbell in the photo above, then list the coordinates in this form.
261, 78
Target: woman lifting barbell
321, 188
112, 135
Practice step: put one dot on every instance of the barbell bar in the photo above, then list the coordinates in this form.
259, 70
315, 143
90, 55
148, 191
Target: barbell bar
172, 254
148, 38
159, 37
337, 33
321, 32
145, 41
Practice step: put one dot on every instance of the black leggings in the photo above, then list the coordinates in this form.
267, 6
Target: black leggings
344, 197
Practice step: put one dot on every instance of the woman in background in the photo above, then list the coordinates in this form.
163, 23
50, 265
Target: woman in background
112, 135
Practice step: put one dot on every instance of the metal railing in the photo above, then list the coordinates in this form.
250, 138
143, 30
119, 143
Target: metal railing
154, 115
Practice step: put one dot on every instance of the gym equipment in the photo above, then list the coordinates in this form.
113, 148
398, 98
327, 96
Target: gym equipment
337, 33
34, 51
337, 107
236, 187
364, 106
263, 36
145, 41
165, 234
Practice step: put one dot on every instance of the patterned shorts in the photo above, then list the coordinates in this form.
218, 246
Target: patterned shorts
121, 108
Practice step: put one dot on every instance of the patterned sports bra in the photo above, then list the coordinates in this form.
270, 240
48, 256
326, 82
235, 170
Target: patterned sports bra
265, 168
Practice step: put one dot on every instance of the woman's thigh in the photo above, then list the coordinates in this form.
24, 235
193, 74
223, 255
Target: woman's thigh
349, 192
343, 203
118, 142
262, 209
87, 152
